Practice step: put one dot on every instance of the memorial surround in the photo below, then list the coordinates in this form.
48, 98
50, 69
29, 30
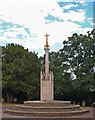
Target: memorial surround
47, 106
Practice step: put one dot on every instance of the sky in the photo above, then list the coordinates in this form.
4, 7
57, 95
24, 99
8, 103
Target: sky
25, 22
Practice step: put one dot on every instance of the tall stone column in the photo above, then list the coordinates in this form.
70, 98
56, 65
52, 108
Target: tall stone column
46, 78
46, 48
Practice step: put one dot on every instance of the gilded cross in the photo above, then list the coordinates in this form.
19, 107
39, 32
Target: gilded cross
46, 46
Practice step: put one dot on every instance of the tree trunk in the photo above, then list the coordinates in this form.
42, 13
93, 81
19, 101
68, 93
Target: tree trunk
9, 98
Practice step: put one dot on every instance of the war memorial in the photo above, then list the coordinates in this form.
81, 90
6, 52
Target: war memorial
47, 106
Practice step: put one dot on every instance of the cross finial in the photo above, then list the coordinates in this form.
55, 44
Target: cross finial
47, 46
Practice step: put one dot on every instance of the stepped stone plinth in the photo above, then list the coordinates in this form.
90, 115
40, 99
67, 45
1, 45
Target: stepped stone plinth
47, 106
51, 104
44, 109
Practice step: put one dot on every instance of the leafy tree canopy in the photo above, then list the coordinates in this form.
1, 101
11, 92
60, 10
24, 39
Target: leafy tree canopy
21, 70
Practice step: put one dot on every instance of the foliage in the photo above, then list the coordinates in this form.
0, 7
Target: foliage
73, 67
20, 71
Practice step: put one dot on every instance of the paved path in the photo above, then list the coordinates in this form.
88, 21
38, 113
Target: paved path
87, 116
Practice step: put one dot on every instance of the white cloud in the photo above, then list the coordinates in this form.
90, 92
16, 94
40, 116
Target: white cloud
31, 13
90, 21
79, 1
16, 31
75, 16
94, 25
69, 6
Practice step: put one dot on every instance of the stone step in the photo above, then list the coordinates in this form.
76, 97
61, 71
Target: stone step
46, 114
47, 108
54, 103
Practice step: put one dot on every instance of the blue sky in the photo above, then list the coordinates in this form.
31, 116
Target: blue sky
25, 22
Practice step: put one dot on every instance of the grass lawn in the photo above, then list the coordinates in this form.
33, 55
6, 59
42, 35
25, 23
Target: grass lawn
8, 104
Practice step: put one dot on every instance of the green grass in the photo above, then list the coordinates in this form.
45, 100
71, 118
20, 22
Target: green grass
8, 104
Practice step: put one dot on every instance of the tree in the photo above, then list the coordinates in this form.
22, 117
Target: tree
20, 72
78, 52
73, 68
62, 82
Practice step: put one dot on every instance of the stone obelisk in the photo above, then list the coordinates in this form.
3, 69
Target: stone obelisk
46, 80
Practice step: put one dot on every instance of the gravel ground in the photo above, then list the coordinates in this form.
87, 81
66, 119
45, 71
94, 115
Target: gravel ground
87, 116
